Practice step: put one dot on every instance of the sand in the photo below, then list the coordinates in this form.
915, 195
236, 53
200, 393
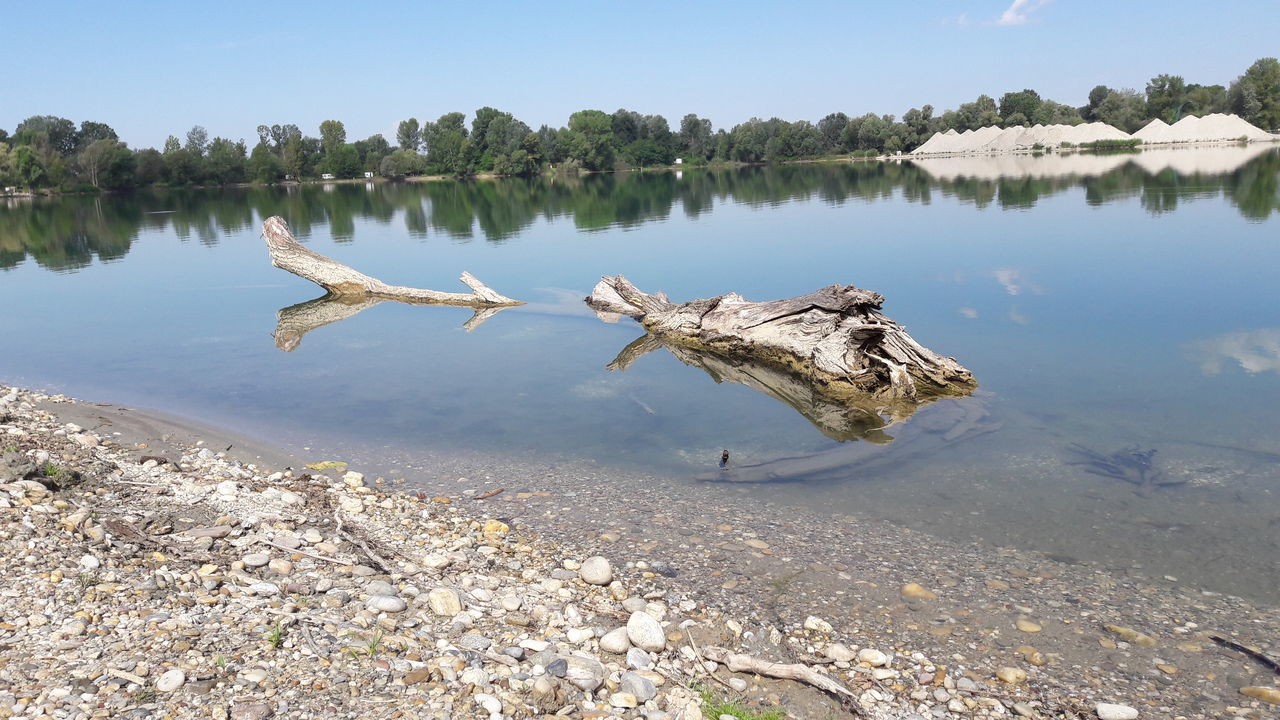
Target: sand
993, 139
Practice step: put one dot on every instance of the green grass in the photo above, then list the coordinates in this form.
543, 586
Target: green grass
51, 470
715, 704
275, 636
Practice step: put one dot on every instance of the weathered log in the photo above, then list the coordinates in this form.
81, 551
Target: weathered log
295, 321
836, 339
739, 662
288, 254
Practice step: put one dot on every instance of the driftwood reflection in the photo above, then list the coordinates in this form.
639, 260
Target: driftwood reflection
842, 421
295, 321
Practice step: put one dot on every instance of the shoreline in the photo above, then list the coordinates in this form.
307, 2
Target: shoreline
770, 569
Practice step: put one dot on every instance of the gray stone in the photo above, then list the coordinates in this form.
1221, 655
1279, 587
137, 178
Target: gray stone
638, 685
596, 571
380, 587
738, 684
265, 589
491, 704
839, 652
638, 659
475, 641
254, 560
646, 633
586, 674
251, 711
386, 603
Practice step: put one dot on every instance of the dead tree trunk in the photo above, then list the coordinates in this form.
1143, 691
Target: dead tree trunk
836, 338
338, 279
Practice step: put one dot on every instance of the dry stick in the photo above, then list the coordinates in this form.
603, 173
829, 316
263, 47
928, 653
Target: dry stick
701, 666
738, 662
383, 564
491, 493
317, 556
1271, 664
306, 635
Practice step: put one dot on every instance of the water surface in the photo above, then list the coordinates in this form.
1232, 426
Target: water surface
1107, 301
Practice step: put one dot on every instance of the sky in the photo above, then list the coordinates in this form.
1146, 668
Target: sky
152, 69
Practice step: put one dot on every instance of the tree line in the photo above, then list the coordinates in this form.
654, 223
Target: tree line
46, 152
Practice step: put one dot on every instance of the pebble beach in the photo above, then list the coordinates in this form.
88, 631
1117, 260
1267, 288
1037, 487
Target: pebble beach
172, 576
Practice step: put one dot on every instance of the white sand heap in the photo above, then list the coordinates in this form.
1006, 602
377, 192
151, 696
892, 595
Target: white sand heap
1182, 159
993, 139
1210, 128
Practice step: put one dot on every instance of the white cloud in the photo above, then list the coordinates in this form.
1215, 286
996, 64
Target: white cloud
968, 312
1255, 351
1019, 13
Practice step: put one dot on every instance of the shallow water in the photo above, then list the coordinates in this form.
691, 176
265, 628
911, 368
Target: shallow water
1109, 301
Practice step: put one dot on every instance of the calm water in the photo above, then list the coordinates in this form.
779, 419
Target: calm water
1108, 301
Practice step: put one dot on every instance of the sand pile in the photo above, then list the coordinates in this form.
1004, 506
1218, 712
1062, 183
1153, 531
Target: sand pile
993, 139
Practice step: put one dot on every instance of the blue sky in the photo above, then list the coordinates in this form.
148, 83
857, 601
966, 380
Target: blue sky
154, 69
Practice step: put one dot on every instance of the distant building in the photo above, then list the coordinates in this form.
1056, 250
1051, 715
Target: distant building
368, 175
327, 176
679, 161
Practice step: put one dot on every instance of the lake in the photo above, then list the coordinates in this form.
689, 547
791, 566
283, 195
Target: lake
1119, 303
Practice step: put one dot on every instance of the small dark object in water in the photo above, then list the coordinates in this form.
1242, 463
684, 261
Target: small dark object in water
724, 459
1129, 464
1272, 664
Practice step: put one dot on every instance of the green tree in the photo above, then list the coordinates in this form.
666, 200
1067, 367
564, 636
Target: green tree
1202, 100
1166, 95
1255, 95
978, 114
58, 133
447, 146
591, 139
409, 135
171, 145
264, 166
28, 166
197, 141
106, 164
401, 163
292, 157
1123, 109
227, 162
832, 127
148, 167
333, 135
91, 132
1090, 111
696, 137
1025, 103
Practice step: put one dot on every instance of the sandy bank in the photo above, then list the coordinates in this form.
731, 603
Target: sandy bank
189, 563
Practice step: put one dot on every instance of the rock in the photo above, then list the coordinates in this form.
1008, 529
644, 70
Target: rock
255, 560
265, 589
596, 570
1132, 636
1265, 694
436, 561
1022, 709
475, 641
757, 544
250, 711
1011, 675
586, 674
916, 591
638, 659
738, 684
1028, 626
380, 587
89, 562
839, 652
171, 680
353, 479
623, 700
444, 601
872, 657
646, 633
280, 566
491, 704
637, 685
615, 641
255, 675
385, 603
817, 624
1109, 711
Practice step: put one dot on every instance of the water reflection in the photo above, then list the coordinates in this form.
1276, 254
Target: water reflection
1255, 351
69, 233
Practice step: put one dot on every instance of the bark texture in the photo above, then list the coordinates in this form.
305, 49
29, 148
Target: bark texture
835, 340
288, 254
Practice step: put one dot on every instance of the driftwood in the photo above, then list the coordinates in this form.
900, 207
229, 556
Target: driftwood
340, 280
738, 662
834, 340
1130, 465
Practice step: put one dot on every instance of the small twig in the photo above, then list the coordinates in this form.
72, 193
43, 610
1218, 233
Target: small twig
1268, 662
300, 551
487, 495
702, 663
382, 564
306, 636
